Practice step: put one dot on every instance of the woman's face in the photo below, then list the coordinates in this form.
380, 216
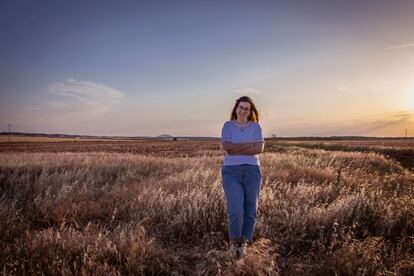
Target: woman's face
243, 110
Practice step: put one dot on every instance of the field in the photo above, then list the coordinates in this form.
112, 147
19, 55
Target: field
157, 207
401, 150
44, 138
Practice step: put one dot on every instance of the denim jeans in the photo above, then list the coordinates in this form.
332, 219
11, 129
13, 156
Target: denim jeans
241, 185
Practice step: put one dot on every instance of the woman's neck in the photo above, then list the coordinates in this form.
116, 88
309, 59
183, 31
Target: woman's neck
242, 122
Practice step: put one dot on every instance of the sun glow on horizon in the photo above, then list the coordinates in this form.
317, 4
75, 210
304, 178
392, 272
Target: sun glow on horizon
409, 98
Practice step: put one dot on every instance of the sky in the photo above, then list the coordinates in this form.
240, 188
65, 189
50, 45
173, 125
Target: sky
146, 68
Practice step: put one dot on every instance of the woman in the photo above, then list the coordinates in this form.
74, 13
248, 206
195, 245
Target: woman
242, 141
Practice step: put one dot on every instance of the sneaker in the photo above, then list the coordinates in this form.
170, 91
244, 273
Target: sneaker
243, 244
235, 249
240, 250
247, 243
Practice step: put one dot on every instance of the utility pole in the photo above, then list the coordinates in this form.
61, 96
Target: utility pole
406, 133
9, 132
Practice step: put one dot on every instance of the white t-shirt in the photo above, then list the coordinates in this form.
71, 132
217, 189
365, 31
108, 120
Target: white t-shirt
236, 133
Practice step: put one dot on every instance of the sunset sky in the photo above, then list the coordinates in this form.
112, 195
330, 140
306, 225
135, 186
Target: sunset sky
145, 68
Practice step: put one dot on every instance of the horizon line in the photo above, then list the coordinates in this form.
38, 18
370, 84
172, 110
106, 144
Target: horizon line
172, 136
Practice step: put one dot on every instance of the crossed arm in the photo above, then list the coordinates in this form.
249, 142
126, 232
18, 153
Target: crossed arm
243, 148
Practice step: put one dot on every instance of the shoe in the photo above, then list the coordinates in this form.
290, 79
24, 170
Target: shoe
233, 250
240, 250
243, 244
236, 248
247, 243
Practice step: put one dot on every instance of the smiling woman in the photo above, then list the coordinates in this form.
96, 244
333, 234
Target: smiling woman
242, 141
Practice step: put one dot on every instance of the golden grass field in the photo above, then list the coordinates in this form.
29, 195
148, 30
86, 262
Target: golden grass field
157, 208
35, 139
382, 143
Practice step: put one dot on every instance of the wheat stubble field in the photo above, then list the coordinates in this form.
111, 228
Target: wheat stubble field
151, 208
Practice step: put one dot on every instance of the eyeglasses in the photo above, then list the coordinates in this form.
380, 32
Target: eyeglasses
244, 108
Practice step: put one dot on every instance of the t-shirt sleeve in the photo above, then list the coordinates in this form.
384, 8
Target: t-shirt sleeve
226, 133
258, 134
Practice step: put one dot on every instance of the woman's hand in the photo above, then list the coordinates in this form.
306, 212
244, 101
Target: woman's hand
243, 148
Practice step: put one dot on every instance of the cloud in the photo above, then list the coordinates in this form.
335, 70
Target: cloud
58, 105
267, 113
403, 115
386, 124
246, 91
391, 123
37, 108
400, 46
369, 127
86, 91
344, 88
90, 99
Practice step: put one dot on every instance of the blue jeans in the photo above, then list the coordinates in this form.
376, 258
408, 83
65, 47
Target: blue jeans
241, 185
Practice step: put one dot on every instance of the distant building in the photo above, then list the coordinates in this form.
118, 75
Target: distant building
166, 137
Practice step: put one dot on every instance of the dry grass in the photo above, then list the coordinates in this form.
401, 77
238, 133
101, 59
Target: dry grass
30, 139
401, 150
110, 211
181, 148
44, 138
380, 142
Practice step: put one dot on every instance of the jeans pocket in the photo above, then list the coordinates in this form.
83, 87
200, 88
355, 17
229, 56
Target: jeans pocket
229, 170
258, 170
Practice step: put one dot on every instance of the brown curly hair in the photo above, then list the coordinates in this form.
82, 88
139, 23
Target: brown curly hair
253, 116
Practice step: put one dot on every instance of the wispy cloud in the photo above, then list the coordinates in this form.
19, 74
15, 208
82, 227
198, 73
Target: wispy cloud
400, 46
393, 122
387, 124
37, 108
91, 99
344, 88
246, 91
86, 91
403, 115
267, 113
